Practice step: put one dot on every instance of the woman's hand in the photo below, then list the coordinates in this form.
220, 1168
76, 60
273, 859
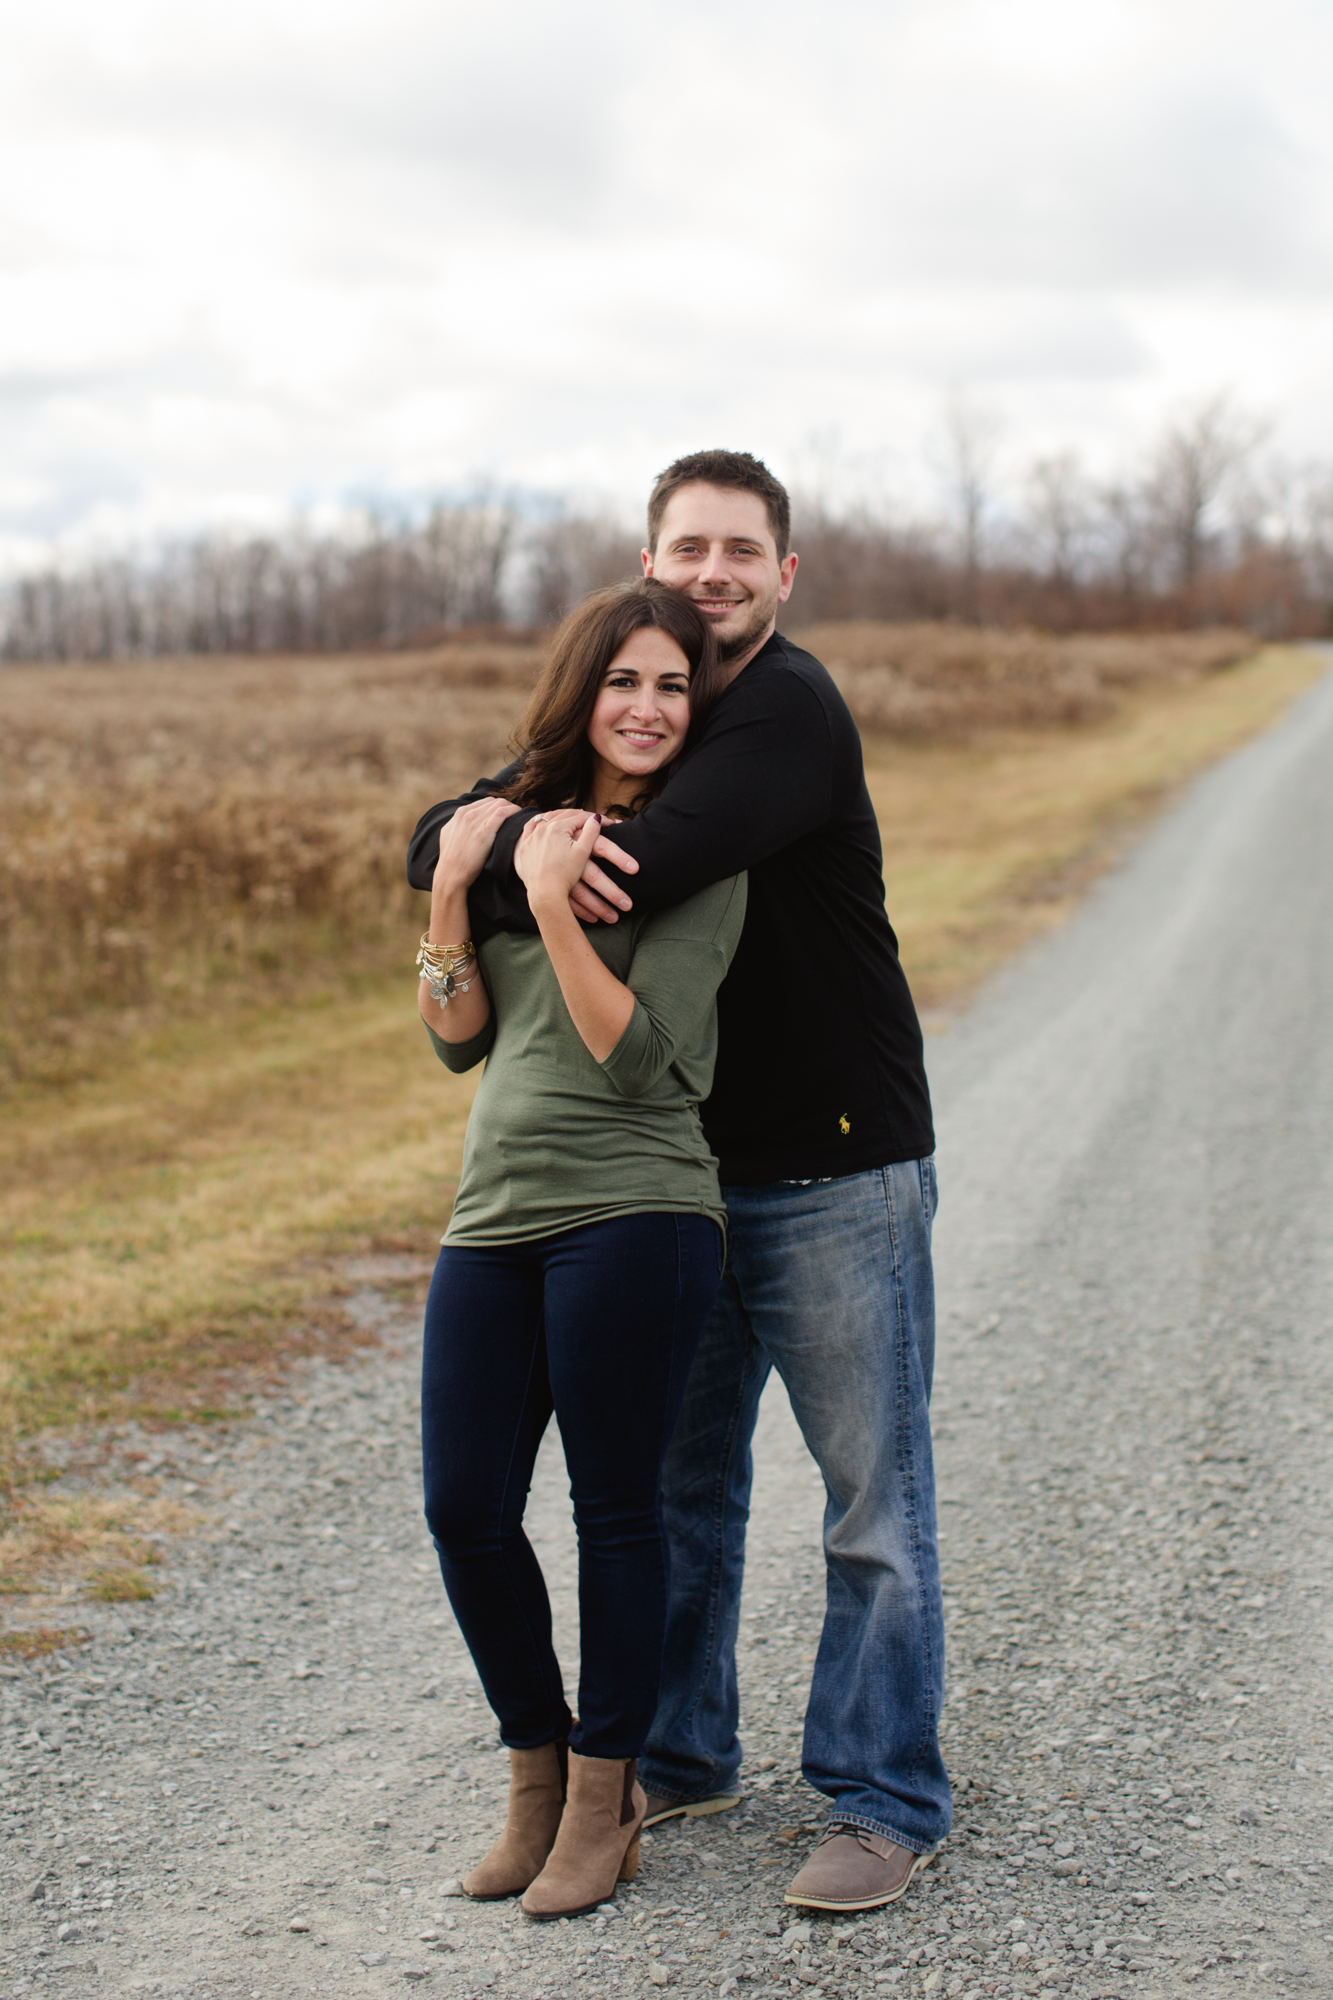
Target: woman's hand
552, 853
466, 842
464, 846
551, 856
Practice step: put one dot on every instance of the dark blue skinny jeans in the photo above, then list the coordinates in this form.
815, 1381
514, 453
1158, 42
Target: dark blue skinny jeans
600, 1325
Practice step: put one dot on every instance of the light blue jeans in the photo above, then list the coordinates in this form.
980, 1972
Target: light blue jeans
831, 1284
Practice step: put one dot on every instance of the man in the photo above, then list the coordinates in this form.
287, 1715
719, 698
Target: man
820, 1119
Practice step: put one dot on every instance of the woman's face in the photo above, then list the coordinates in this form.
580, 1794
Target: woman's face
642, 712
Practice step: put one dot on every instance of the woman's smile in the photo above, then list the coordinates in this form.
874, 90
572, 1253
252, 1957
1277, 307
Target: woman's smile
641, 716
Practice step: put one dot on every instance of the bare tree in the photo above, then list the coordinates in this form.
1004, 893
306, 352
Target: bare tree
1312, 511
1058, 516
861, 563
1208, 531
570, 555
1197, 455
1125, 533
971, 437
384, 582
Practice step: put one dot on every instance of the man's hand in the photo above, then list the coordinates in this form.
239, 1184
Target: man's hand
466, 841
595, 898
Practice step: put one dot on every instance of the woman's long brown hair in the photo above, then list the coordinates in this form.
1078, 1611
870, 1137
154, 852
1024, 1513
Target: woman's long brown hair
552, 738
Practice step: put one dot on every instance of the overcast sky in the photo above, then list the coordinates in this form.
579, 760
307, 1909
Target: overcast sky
271, 254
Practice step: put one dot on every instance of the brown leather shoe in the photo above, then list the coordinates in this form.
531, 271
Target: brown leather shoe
598, 1842
852, 1869
536, 1800
660, 1808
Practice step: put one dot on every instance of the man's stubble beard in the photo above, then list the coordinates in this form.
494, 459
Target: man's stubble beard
762, 613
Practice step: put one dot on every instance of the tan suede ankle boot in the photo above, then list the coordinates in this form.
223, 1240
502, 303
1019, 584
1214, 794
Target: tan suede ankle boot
536, 1800
598, 1842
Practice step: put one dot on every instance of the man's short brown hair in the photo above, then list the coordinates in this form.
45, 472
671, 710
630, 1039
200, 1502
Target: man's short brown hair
735, 469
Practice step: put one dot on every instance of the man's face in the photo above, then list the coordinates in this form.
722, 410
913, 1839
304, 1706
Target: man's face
716, 545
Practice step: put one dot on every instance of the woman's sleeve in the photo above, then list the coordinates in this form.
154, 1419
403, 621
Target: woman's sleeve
680, 959
460, 1056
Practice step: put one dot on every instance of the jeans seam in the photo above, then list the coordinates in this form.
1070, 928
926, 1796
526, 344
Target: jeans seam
907, 1459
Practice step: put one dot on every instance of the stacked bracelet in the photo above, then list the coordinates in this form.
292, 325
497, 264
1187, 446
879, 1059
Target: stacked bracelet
443, 964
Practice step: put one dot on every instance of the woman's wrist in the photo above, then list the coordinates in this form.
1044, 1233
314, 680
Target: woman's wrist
549, 905
448, 917
443, 895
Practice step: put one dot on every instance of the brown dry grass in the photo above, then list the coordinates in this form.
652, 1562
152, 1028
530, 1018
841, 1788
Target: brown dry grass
933, 682
38, 1641
179, 832
178, 835
52, 1542
177, 1220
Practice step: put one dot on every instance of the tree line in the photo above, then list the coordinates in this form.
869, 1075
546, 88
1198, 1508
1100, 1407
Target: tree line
1204, 533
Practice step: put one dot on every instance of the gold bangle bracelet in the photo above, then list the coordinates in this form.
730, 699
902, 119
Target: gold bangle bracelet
465, 950
442, 966
449, 956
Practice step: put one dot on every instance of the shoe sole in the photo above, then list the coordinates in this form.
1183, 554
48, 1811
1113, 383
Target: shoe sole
862, 1902
694, 1809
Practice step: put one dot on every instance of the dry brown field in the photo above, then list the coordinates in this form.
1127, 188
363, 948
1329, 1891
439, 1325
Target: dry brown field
186, 833
178, 834
934, 683
215, 1086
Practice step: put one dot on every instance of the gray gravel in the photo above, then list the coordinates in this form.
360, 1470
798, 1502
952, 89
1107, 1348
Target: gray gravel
266, 1782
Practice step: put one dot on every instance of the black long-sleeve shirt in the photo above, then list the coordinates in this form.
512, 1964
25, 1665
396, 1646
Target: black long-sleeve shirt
819, 1067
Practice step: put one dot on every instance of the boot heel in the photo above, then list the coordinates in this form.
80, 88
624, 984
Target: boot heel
629, 1867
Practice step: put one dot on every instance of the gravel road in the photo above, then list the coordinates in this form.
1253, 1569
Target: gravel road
264, 1783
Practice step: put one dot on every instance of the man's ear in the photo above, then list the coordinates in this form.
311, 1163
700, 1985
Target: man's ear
786, 577
646, 558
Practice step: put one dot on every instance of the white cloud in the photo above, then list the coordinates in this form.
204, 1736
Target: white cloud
280, 251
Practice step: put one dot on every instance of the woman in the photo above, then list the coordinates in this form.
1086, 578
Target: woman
585, 1248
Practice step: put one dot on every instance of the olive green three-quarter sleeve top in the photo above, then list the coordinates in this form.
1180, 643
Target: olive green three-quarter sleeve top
557, 1139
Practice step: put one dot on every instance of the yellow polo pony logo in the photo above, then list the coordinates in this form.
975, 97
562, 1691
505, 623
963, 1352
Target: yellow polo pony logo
844, 1124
